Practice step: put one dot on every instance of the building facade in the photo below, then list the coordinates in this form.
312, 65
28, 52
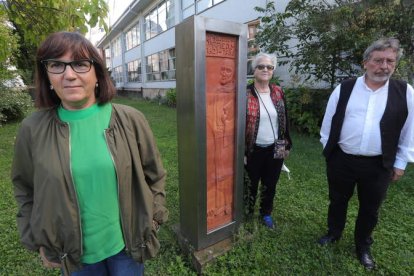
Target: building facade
140, 47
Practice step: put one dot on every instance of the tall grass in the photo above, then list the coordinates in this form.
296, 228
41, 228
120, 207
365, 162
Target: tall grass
300, 213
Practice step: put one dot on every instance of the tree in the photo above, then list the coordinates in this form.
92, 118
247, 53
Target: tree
393, 18
329, 37
34, 20
8, 48
401, 25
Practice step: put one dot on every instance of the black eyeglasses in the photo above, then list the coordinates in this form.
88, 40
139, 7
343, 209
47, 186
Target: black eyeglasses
58, 67
262, 67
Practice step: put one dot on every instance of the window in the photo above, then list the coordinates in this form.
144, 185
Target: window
188, 7
151, 29
169, 5
108, 57
251, 44
134, 71
132, 37
191, 7
116, 47
159, 19
162, 16
117, 74
153, 71
161, 66
167, 64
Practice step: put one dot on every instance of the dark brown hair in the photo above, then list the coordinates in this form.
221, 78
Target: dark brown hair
55, 46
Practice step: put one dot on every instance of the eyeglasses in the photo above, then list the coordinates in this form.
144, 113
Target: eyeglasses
380, 61
58, 67
262, 67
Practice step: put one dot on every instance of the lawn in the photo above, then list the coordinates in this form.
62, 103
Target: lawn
300, 213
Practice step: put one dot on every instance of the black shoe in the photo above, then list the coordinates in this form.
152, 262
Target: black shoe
365, 258
327, 239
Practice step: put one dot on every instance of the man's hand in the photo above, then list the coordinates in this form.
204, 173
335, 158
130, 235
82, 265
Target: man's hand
397, 174
45, 261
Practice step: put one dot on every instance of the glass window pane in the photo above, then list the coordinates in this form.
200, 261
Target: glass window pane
138, 36
171, 53
147, 27
171, 64
171, 75
134, 38
203, 4
188, 12
170, 14
162, 16
186, 3
154, 27
164, 65
155, 63
148, 64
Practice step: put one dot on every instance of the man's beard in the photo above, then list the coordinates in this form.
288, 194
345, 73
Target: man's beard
381, 78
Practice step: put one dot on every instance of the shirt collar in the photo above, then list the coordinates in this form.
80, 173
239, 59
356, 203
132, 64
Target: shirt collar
385, 86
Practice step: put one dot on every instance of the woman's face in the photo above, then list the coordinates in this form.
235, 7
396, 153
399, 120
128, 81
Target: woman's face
75, 90
263, 71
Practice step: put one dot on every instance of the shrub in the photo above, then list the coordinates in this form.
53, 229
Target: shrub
306, 108
171, 97
14, 105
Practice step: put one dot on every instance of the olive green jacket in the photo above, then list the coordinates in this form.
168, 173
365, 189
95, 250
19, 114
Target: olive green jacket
48, 212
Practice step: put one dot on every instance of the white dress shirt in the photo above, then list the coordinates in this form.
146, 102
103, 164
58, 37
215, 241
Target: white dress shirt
360, 134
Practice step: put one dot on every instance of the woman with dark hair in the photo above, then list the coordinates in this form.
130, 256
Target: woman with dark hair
87, 174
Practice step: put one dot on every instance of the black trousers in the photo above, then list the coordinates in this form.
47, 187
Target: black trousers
344, 172
261, 166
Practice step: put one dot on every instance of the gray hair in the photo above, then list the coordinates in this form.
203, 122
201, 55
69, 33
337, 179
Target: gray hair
382, 45
263, 55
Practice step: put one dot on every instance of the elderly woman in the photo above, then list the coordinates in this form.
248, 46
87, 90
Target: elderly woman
267, 137
87, 175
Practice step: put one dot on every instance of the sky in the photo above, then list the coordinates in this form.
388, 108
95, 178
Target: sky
116, 8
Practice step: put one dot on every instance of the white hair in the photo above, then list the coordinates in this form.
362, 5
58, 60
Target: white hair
259, 56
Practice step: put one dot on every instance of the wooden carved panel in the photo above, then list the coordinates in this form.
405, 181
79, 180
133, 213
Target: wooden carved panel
221, 75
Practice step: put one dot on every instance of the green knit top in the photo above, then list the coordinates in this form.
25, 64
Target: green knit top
95, 181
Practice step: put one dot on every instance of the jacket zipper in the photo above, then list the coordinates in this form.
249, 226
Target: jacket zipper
76, 194
126, 241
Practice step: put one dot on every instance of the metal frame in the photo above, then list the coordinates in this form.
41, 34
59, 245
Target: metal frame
191, 125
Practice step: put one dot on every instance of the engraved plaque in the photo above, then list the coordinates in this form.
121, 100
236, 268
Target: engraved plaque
221, 76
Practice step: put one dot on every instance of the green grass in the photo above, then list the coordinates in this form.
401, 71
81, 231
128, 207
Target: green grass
300, 212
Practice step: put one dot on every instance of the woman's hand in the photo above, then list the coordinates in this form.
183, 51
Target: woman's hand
45, 261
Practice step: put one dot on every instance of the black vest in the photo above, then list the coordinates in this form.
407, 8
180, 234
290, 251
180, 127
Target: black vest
395, 115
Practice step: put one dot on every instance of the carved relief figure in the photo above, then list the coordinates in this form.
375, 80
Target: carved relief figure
220, 109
